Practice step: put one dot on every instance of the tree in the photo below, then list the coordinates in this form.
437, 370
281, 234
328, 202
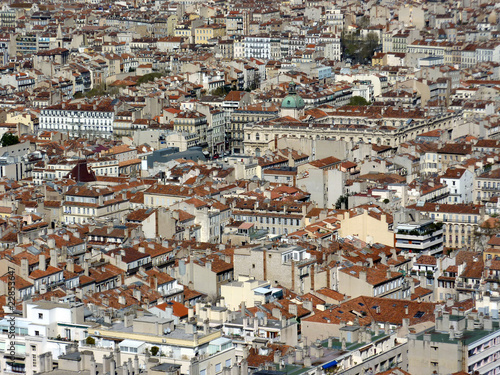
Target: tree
221, 91
90, 340
359, 48
149, 77
358, 100
342, 201
154, 350
9, 139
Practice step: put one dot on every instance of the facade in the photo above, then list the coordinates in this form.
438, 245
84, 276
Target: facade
487, 186
459, 342
262, 47
288, 266
423, 237
460, 183
460, 221
84, 205
358, 281
345, 126
90, 120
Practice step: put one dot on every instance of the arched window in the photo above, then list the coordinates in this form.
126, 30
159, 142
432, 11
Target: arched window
257, 152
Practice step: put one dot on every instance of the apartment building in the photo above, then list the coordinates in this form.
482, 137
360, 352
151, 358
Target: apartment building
194, 123
80, 119
381, 281
89, 204
47, 327
460, 221
278, 218
247, 114
262, 46
289, 266
460, 182
487, 186
461, 341
423, 237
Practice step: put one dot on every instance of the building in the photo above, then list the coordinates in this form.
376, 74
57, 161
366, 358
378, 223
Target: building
79, 119
288, 266
459, 342
204, 34
460, 184
382, 282
292, 105
262, 46
47, 327
460, 221
422, 237
487, 186
90, 204
368, 223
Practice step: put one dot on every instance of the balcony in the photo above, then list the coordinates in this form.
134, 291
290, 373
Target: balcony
418, 235
467, 287
424, 245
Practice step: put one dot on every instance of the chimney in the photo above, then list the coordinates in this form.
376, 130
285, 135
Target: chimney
85, 265
137, 294
446, 320
488, 323
128, 320
53, 257
362, 275
70, 265
42, 263
24, 268
51, 243
470, 323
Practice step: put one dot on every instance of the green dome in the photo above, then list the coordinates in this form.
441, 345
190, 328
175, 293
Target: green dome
292, 100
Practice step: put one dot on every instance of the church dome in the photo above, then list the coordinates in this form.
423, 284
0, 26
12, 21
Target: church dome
292, 100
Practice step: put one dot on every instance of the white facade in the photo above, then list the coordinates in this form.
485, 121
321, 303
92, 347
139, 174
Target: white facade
48, 327
262, 47
460, 189
77, 121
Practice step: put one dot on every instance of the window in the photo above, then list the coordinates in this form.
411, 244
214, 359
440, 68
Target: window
218, 368
40, 316
228, 363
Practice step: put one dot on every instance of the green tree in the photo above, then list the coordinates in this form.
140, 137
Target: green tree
150, 77
9, 139
358, 100
342, 202
359, 48
90, 340
154, 350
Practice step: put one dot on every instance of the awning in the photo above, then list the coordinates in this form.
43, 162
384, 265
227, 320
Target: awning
17, 364
329, 365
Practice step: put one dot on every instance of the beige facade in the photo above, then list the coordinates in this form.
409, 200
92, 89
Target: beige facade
243, 290
259, 135
288, 266
361, 222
